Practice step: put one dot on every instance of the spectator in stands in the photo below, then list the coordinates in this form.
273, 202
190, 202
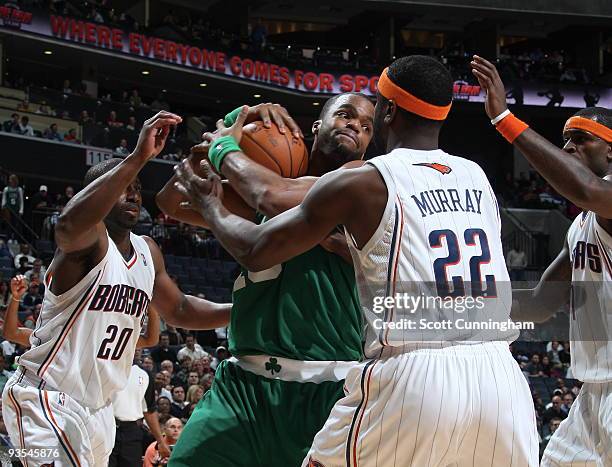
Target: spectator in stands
12, 125
131, 123
42, 200
163, 351
553, 425
32, 297
172, 431
554, 411
173, 335
168, 367
123, 147
552, 350
44, 109
135, 100
179, 404
192, 379
185, 367
112, 121
13, 203
94, 15
24, 252
206, 381
202, 366
25, 128
547, 367
221, 353
23, 266
163, 405
84, 118
4, 373
66, 89
24, 106
194, 394
568, 400
5, 295
148, 364
52, 133
534, 367
160, 386
37, 269
71, 136
192, 349
62, 200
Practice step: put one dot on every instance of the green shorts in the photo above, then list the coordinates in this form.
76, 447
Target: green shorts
249, 420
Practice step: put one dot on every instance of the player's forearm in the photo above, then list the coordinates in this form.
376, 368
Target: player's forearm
568, 176
10, 331
198, 314
151, 337
262, 189
153, 424
539, 304
91, 205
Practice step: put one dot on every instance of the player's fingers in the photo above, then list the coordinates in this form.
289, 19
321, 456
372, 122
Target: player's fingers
185, 205
220, 125
162, 121
483, 79
244, 111
178, 186
264, 114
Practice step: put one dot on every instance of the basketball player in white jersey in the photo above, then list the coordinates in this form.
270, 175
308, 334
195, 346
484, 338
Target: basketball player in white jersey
101, 282
581, 274
423, 222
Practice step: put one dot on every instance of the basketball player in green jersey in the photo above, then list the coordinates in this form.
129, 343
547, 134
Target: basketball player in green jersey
295, 328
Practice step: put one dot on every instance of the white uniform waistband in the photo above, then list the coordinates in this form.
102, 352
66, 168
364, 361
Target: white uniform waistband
445, 349
287, 369
32, 379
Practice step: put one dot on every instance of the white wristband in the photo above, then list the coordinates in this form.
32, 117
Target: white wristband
500, 117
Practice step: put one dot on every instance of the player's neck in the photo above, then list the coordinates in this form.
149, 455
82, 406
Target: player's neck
423, 140
121, 237
320, 164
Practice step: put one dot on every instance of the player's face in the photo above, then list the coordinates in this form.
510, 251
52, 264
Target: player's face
346, 129
126, 210
592, 151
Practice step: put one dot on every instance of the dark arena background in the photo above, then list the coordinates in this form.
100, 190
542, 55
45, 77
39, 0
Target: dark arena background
78, 79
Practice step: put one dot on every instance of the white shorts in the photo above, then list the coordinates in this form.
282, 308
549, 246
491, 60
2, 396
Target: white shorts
466, 405
50, 426
584, 438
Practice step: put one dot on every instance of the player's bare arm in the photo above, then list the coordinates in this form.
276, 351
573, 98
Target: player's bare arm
262, 189
80, 232
355, 198
178, 309
10, 331
151, 337
571, 178
553, 291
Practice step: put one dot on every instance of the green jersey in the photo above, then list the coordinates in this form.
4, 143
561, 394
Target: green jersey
304, 309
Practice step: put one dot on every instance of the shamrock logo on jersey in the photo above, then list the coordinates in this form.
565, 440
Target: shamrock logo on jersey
273, 366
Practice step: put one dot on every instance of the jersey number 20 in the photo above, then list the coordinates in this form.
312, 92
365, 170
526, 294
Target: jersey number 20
454, 256
105, 349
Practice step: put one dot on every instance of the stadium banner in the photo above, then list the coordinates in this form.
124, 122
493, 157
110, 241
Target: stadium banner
100, 36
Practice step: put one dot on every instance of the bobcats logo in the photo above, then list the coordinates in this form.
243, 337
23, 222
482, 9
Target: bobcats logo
443, 169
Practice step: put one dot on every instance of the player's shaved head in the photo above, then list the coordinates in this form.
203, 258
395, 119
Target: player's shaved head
329, 103
100, 169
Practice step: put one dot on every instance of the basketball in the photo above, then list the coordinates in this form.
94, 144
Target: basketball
282, 153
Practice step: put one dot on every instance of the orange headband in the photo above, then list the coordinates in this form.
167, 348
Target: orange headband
389, 90
586, 124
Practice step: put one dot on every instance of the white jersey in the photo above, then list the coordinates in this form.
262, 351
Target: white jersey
591, 302
85, 338
436, 255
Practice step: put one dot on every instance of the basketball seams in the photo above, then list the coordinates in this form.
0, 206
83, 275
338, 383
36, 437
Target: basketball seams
263, 150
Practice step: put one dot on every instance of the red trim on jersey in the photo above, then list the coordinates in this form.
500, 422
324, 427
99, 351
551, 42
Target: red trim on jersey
54, 422
70, 324
133, 260
19, 419
367, 396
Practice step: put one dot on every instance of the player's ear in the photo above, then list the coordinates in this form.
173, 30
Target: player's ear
390, 112
315, 127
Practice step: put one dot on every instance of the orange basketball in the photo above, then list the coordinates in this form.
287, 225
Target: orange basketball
282, 153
